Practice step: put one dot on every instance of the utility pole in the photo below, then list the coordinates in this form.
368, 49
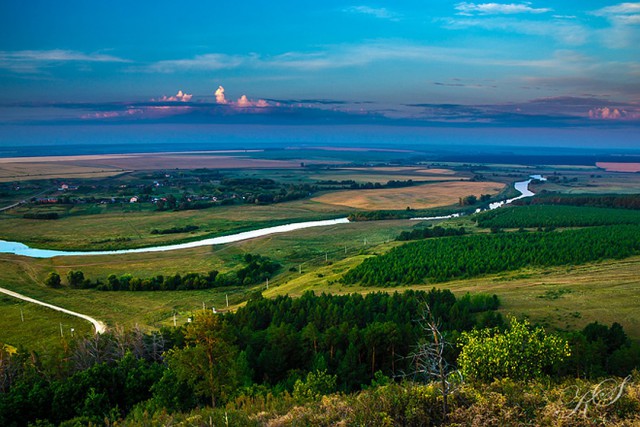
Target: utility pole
22, 315
175, 324
227, 296
267, 283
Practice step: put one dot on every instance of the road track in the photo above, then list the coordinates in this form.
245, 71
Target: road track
98, 325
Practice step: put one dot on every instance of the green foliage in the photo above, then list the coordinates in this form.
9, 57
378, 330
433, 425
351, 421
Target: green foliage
53, 280
556, 216
520, 352
314, 386
257, 270
620, 201
447, 258
428, 232
207, 363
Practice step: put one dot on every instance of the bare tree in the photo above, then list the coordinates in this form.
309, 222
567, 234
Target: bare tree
428, 361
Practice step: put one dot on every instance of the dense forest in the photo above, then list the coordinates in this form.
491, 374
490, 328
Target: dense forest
624, 201
276, 354
437, 260
555, 216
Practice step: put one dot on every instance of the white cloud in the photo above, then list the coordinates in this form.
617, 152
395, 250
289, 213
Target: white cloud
178, 97
377, 12
207, 62
468, 9
219, 93
34, 61
244, 102
613, 113
619, 9
565, 31
624, 19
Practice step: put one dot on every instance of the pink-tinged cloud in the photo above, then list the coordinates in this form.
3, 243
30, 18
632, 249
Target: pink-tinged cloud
178, 97
244, 102
612, 113
219, 93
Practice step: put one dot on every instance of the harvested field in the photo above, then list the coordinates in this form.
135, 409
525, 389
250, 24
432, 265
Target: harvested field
381, 177
417, 197
30, 168
619, 167
404, 169
23, 171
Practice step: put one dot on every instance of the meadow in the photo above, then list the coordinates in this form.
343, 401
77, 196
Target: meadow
563, 297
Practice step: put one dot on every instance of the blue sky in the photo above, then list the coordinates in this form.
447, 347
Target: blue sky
568, 63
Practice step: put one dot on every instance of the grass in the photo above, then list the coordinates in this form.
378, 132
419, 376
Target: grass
309, 248
416, 197
563, 298
581, 291
132, 224
39, 322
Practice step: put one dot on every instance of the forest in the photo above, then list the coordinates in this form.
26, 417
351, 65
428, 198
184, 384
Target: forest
282, 352
556, 216
622, 201
446, 258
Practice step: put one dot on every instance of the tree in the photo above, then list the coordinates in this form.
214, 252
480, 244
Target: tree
53, 280
428, 360
521, 352
75, 279
315, 385
208, 362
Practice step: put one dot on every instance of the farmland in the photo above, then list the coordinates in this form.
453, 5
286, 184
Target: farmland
314, 259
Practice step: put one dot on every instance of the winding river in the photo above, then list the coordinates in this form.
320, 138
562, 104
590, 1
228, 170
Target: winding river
18, 248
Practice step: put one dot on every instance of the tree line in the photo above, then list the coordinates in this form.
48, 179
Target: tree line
446, 258
621, 201
256, 270
556, 216
428, 232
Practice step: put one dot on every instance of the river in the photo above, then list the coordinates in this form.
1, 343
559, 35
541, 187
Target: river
18, 248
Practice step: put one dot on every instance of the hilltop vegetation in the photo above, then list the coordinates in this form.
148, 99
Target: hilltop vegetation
282, 354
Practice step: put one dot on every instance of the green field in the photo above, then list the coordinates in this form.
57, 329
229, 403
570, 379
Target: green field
313, 259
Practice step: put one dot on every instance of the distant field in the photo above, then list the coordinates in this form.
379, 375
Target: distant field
404, 169
23, 171
31, 168
416, 197
619, 167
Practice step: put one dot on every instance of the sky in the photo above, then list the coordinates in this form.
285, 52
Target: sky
410, 63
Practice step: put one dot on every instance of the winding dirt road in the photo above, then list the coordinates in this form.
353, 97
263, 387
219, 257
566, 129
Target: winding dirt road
100, 326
